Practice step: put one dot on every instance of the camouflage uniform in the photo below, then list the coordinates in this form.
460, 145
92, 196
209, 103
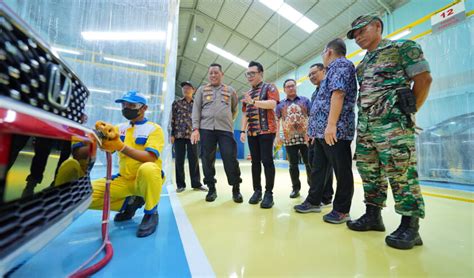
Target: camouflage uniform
386, 142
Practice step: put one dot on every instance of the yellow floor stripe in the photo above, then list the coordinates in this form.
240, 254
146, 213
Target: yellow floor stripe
467, 200
448, 197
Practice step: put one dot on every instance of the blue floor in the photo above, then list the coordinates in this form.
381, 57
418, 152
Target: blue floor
159, 255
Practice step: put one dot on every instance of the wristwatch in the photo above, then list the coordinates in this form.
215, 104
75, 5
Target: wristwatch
252, 102
242, 131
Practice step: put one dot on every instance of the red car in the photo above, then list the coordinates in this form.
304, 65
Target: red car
41, 113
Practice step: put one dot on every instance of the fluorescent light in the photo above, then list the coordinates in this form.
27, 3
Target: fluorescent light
57, 49
112, 108
401, 34
362, 53
124, 36
164, 86
291, 14
227, 55
147, 96
307, 25
162, 107
169, 35
124, 62
99, 91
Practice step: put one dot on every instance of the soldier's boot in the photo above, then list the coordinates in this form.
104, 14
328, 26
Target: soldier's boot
133, 203
370, 221
406, 235
267, 201
211, 194
236, 196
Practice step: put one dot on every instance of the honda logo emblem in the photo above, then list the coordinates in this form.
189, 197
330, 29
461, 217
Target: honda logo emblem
59, 87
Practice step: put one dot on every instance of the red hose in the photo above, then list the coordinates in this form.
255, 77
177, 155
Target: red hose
109, 252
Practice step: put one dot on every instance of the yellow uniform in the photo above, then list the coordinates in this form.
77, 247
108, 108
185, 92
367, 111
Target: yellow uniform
135, 178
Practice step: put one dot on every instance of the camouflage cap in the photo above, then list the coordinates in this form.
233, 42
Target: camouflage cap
360, 22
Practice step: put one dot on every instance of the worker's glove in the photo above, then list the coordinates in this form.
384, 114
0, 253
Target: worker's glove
110, 137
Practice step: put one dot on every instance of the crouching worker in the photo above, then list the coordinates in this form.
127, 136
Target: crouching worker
140, 178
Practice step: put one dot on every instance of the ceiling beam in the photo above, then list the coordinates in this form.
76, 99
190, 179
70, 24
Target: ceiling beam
188, 33
240, 35
317, 49
196, 63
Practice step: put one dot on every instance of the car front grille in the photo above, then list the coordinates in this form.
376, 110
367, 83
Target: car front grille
22, 219
31, 74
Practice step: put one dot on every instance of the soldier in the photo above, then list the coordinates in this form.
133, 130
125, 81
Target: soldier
386, 141
214, 112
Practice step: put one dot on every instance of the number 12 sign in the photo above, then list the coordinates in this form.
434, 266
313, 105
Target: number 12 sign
448, 17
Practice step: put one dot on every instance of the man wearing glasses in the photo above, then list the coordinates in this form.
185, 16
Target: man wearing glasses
259, 121
214, 112
293, 114
139, 143
332, 124
317, 73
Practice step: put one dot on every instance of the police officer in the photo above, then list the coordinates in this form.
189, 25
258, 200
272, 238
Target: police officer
394, 80
214, 112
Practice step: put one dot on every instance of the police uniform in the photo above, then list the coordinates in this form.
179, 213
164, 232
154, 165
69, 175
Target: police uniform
135, 177
214, 112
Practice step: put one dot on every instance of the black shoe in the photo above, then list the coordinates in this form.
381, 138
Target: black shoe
211, 194
294, 194
236, 196
148, 225
133, 203
406, 235
180, 189
200, 188
256, 197
370, 221
267, 200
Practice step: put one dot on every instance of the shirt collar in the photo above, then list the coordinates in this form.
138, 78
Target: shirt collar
296, 98
384, 43
335, 62
140, 122
184, 99
258, 85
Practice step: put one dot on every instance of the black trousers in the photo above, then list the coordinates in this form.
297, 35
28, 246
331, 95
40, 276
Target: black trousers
328, 190
181, 147
261, 150
228, 150
339, 156
294, 153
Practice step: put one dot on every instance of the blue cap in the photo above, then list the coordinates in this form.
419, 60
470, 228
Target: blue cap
132, 97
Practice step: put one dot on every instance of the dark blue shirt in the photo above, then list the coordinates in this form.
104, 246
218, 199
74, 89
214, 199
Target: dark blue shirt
340, 75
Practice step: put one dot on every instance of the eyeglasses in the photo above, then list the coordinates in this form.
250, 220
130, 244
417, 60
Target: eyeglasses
290, 86
313, 73
324, 51
249, 74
